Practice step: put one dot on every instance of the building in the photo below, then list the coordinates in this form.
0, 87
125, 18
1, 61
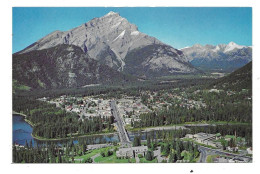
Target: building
132, 151
249, 150
203, 137
207, 139
189, 136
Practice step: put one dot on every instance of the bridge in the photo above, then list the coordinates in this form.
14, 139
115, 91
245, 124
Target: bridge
124, 138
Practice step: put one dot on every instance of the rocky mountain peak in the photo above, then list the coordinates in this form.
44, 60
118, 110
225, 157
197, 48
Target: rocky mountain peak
222, 56
110, 38
232, 45
197, 45
111, 13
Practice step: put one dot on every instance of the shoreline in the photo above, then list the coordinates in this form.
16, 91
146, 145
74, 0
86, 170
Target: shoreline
23, 115
58, 139
67, 138
165, 127
17, 113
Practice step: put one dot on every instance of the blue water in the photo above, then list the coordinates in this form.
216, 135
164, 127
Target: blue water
21, 130
22, 133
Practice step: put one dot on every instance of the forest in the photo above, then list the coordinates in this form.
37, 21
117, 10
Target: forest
50, 122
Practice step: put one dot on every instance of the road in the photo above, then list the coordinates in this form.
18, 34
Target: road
164, 128
205, 151
98, 146
203, 154
95, 156
124, 138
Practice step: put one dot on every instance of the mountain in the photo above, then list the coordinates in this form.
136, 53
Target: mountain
237, 80
221, 57
115, 42
62, 66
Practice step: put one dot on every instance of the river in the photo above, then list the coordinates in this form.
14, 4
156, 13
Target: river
22, 132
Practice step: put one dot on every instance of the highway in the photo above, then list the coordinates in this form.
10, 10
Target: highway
124, 139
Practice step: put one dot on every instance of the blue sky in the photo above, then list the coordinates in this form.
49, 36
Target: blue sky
178, 27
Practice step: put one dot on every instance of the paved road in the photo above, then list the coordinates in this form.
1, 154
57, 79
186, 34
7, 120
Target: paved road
164, 128
208, 151
98, 146
203, 154
124, 138
157, 154
95, 156
137, 160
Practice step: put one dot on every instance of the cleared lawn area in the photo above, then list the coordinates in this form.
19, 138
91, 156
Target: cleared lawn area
91, 153
113, 159
210, 158
143, 160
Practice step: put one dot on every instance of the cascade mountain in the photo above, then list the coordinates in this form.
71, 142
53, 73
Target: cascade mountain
115, 42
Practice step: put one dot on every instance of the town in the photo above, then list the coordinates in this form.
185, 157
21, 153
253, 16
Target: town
127, 110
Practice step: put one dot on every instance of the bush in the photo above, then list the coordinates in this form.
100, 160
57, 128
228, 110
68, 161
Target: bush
88, 160
164, 161
108, 153
149, 156
140, 156
103, 154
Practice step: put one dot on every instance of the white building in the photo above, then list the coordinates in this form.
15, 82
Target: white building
249, 150
130, 152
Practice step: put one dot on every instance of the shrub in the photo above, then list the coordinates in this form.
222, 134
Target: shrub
140, 156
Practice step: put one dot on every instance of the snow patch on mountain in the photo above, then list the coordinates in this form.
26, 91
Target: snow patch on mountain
232, 45
119, 36
134, 33
110, 14
116, 25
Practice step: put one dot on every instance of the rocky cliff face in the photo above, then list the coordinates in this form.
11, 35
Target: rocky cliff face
223, 57
112, 40
62, 66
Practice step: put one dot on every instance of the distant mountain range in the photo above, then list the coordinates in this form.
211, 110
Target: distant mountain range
115, 42
225, 57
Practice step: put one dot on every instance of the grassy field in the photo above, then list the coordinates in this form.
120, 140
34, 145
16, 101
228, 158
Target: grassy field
91, 153
210, 158
113, 159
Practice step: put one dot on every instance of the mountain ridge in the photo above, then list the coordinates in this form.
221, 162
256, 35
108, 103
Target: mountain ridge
227, 57
62, 66
110, 38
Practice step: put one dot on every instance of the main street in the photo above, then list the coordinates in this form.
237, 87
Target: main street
124, 139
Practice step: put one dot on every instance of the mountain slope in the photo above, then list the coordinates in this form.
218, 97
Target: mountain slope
237, 80
111, 40
62, 66
156, 60
221, 57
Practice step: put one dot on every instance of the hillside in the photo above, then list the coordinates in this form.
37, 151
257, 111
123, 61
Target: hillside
62, 66
237, 80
